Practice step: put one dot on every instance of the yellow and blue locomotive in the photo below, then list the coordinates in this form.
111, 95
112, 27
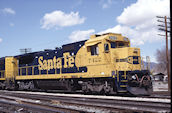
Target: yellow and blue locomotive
102, 64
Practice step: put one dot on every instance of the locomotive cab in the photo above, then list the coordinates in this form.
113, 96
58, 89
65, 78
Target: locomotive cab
127, 65
113, 51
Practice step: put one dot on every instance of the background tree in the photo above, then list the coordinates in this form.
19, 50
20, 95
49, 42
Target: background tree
161, 66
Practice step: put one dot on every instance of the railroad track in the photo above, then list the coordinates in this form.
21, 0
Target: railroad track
161, 94
31, 105
51, 102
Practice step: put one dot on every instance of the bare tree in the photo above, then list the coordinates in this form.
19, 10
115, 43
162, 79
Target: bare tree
161, 59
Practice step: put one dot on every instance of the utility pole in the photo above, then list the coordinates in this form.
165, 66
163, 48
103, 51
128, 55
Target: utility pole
165, 28
148, 63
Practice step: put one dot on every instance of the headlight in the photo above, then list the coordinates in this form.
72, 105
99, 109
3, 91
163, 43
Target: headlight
133, 77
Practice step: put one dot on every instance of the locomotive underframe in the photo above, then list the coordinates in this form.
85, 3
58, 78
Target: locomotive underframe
106, 85
89, 85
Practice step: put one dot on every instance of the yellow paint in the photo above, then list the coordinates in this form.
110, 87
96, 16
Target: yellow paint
11, 68
123, 85
49, 64
124, 80
56, 63
100, 65
68, 60
2, 79
58, 76
2, 76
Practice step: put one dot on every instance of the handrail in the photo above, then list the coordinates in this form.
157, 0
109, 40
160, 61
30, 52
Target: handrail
26, 67
2, 73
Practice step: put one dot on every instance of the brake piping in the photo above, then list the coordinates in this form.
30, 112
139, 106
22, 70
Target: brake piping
141, 81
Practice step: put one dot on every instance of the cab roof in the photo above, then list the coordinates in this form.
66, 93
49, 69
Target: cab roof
95, 39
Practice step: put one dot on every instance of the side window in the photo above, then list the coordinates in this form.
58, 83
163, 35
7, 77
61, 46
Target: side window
94, 50
120, 44
106, 47
113, 45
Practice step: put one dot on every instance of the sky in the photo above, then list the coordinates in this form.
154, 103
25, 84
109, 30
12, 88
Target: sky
46, 24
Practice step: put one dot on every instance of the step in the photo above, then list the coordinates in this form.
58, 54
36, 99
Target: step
124, 80
123, 85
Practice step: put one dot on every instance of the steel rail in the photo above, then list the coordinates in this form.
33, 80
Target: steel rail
35, 105
104, 103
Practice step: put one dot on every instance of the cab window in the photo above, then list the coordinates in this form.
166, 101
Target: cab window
106, 47
94, 50
113, 44
120, 44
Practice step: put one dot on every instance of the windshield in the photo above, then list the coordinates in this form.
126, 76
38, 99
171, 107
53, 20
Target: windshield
119, 44
113, 45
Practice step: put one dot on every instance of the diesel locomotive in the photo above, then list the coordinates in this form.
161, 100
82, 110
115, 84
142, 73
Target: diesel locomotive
102, 64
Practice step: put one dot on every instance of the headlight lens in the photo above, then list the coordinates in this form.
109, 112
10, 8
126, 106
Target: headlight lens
133, 77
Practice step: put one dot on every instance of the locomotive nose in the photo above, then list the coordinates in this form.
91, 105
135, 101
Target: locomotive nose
142, 84
127, 58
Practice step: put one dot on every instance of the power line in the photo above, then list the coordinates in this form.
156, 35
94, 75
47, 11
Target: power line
162, 17
161, 35
165, 29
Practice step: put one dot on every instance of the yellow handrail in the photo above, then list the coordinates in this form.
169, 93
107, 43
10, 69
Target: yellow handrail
32, 67
26, 67
2, 75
